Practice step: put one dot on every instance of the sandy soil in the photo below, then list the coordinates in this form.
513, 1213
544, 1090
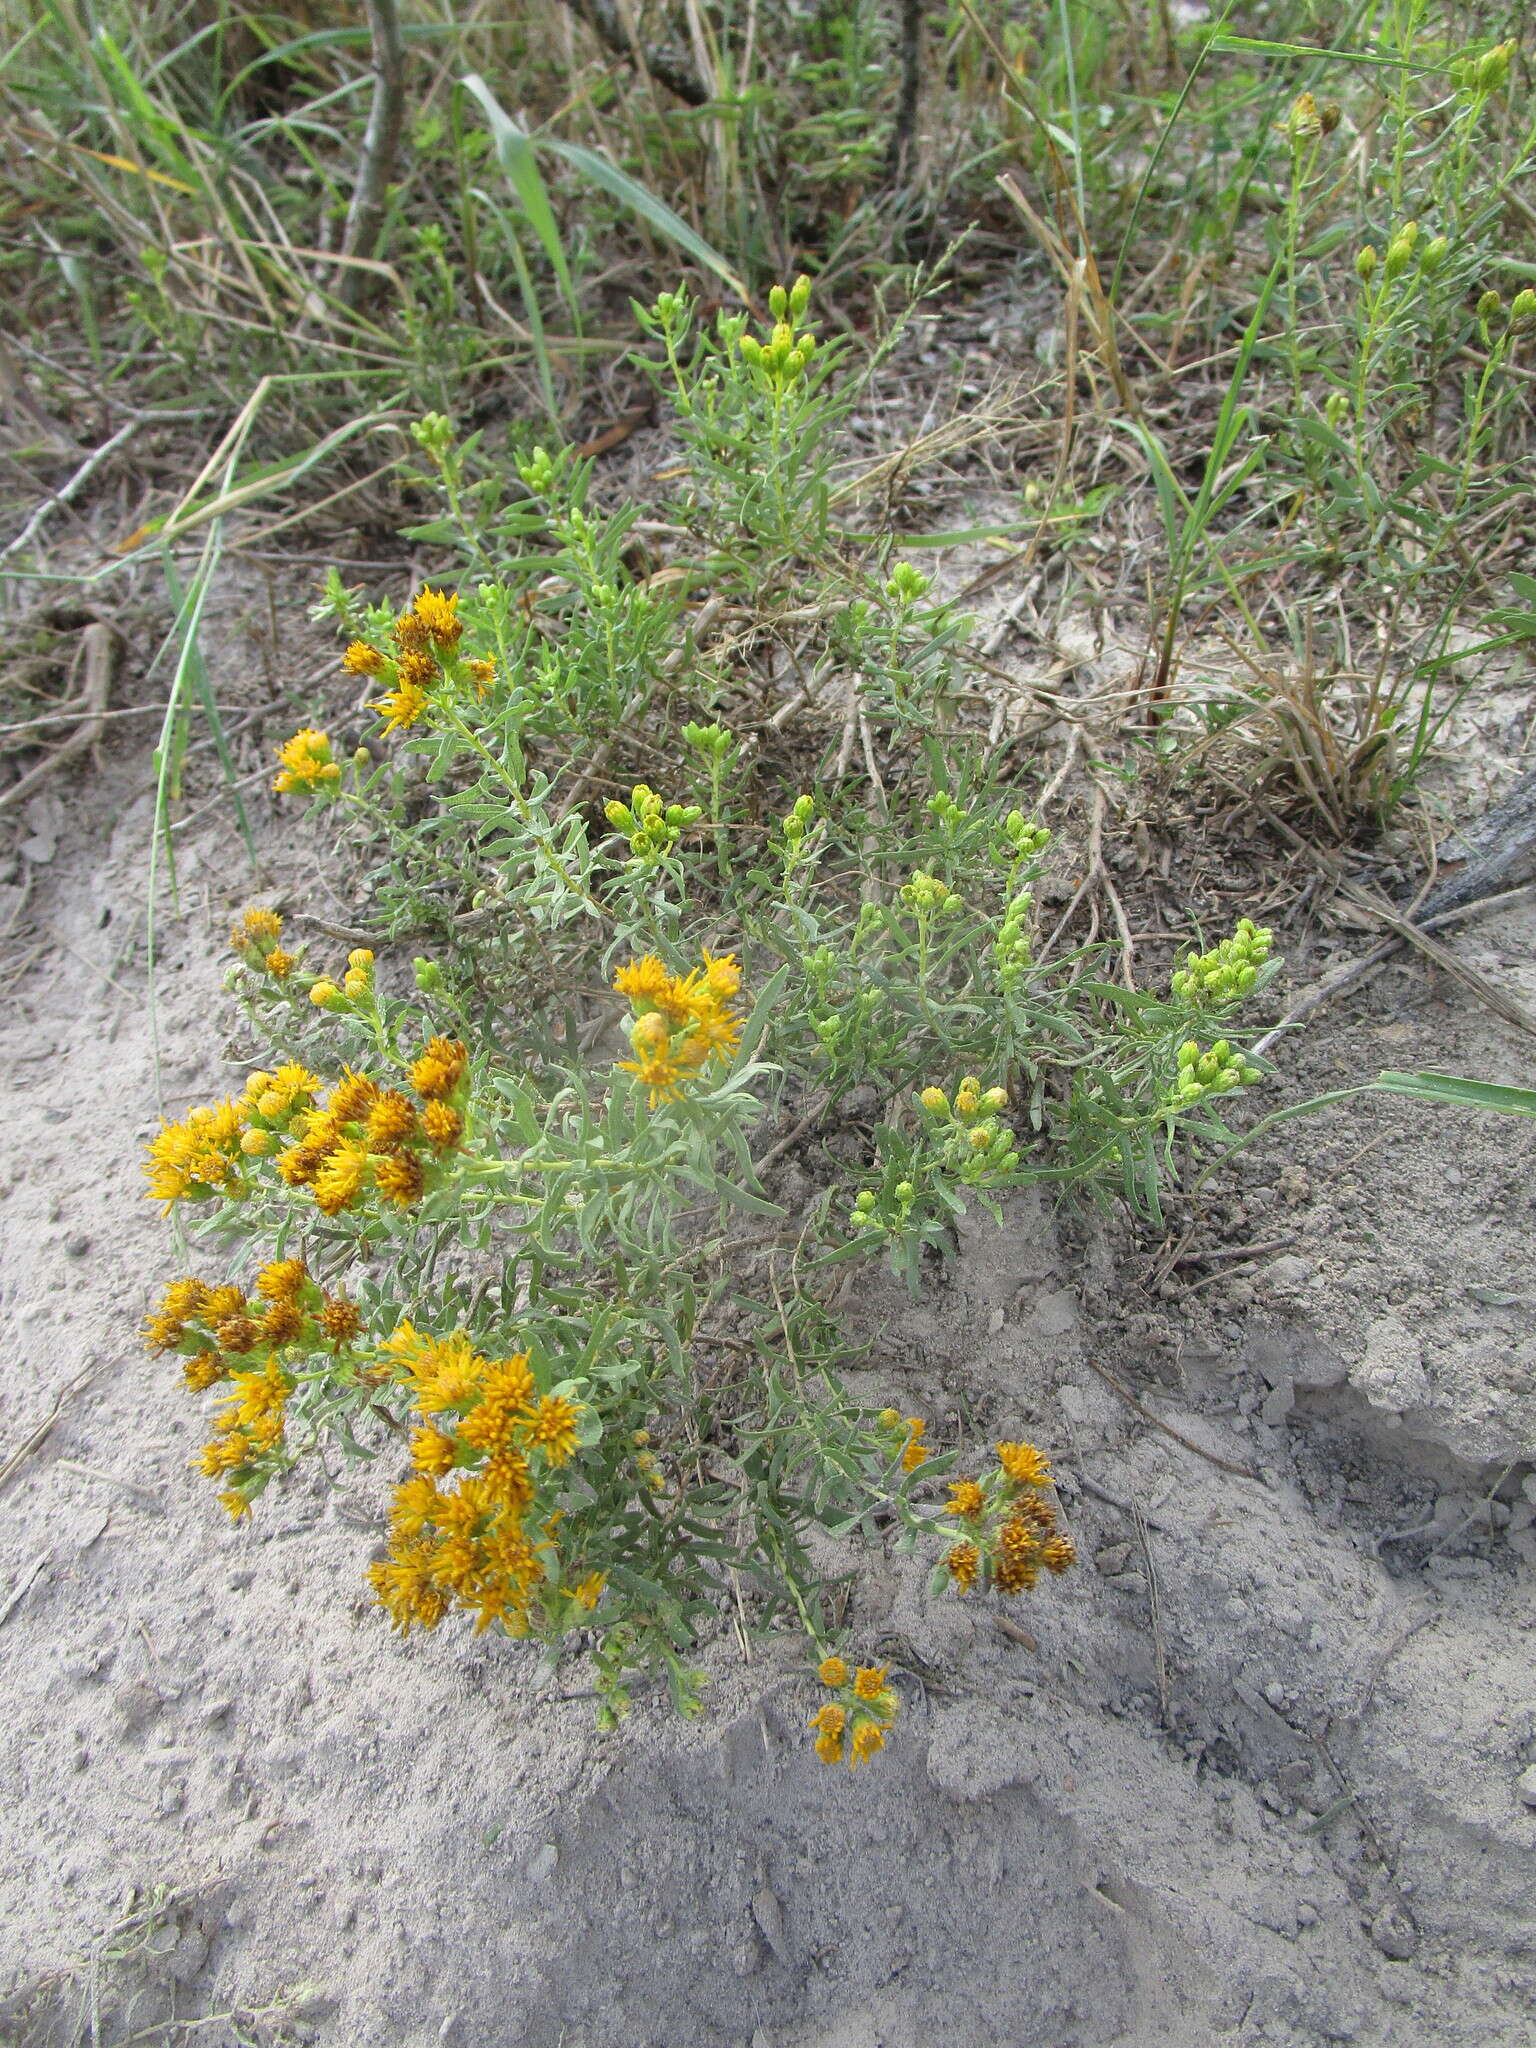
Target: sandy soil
1254, 1774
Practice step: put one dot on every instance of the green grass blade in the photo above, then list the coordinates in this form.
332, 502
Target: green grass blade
515, 153
1456, 1091
655, 212
197, 674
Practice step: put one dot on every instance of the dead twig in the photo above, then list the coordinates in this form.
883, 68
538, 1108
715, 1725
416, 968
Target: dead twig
40, 1434
70, 490
24, 1585
1155, 1610
98, 650
1167, 1428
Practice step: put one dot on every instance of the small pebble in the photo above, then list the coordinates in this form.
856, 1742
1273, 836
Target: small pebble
1525, 1786
77, 1245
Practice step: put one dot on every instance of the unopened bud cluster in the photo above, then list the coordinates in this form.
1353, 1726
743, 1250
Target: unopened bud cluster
927, 895
977, 1147
714, 742
1210, 980
1025, 840
1012, 948
782, 359
1405, 253
1216, 1072
906, 585
651, 825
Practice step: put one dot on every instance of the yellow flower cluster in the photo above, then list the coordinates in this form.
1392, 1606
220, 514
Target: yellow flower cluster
859, 1715
255, 939
486, 1542
679, 1022
1003, 1527
365, 1136
371, 1137
422, 657
307, 767
246, 1345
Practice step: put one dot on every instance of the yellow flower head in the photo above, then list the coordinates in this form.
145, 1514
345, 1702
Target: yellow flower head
307, 765
1023, 1464
722, 976
362, 660
660, 1074
644, 981
341, 1179
282, 1323
404, 1587
400, 707
439, 613
432, 1453
400, 1178
966, 1498
869, 1681
832, 1671
443, 1125
351, 1099
280, 964
830, 1748
552, 1428
258, 928
391, 1122
438, 1071
868, 1739
340, 1318
481, 673
962, 1563
830, 1718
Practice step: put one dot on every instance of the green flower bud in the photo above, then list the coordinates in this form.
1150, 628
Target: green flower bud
1434, 253
751, 350
1489, 307
905, 1192
1400, 249
799, 298
778, 302
1493, 68
1365, 264
429, 976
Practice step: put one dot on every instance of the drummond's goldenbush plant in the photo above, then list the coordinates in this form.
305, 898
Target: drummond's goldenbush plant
495, 1219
